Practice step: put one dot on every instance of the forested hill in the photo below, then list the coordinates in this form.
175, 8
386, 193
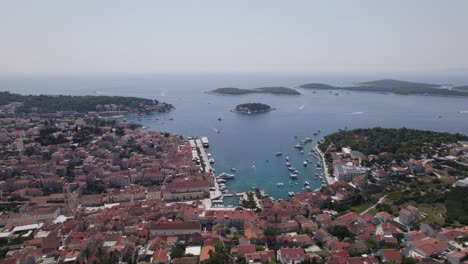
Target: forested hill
82, 104
402, 142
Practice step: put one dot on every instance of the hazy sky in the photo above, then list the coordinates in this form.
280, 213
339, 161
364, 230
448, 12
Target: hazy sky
112, 36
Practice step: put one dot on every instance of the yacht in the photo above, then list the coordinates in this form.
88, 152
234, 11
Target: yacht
293, 176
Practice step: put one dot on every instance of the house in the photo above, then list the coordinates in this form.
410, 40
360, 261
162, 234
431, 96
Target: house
290, 255
173, 228
363, 260
425, 247
458, 257
390, 256
429, 228
409, 215
266, 256
160, 256
384, 217
205, 252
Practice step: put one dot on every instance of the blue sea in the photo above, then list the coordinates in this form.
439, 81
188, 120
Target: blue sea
249, 142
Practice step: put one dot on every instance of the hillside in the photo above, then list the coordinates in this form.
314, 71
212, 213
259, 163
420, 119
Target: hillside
81, 104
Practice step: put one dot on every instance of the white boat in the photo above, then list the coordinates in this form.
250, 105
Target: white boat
205, 142
291, 194
226, 176
233, 169
220, 180
279, 153
293, 176
288, 164
279, 184
287, 158
306, 183
307, 188
239, 194
211, 160
305, 163
291, 169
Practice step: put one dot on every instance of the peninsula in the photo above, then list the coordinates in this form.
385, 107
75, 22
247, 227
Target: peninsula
266, 90
395, 86
252, 108
16, 104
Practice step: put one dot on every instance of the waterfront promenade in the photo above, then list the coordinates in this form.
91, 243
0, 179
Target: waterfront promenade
216, 194
330, 178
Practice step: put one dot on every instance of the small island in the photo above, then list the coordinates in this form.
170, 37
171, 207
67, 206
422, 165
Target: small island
267, 90
252, 108
396, 87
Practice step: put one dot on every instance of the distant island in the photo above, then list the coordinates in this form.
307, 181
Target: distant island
11, 104
252, 108
268, 90
395, 86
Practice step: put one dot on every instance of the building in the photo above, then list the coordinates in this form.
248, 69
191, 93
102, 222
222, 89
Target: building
347, 173
290, 255
174, 229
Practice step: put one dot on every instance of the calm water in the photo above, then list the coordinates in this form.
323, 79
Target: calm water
249, 142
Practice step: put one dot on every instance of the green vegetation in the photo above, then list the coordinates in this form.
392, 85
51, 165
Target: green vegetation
250, 202
252, 108
269, 90
395, 86
457, 206
81, 104
402, 142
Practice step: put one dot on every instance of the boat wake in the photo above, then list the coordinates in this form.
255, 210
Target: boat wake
463, 112
300, 107
355, 113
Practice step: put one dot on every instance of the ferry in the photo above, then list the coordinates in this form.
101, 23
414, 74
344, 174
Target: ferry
279, 153
225, 176
293, 176
279, 184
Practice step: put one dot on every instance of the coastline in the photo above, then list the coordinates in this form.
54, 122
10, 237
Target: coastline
330, 179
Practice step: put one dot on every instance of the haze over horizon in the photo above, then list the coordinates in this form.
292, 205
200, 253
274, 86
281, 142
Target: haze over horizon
364, 36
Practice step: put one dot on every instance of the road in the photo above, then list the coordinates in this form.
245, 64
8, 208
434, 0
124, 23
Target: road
373, 206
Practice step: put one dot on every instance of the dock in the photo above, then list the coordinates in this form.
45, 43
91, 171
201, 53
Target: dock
216, 194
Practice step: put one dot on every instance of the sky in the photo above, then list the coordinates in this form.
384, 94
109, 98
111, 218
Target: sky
216, 36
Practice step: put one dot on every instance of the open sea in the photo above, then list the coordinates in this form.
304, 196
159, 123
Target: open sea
249, 142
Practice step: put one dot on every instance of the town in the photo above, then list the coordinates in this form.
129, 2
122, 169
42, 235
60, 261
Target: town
87, 190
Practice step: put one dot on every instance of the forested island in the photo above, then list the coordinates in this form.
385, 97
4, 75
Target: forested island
267, 90
403, 143
252, 108
395, 86
23, 104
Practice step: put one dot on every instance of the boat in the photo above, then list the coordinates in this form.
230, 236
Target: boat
291, 169
225, 176
211, 160
305, 163
205, 142
291, 194
240, 194
279, 184
307, 188
288, 164
296, 171
228, 195
279, 153
287, 158
306, 183
318, 165
302, 152
293, 176
220, 180
233, 169
219, 119
299, 146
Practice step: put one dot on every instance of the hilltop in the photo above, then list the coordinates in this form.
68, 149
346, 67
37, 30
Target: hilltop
268, 90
